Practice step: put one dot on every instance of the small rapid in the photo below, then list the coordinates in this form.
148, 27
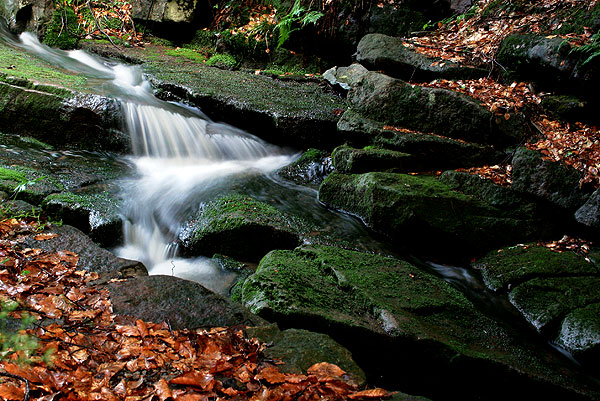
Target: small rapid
182, 160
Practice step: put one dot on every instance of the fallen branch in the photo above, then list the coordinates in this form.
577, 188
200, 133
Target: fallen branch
89, 6
26, 398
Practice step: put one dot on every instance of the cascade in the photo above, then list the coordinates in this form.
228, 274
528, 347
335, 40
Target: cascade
182, 160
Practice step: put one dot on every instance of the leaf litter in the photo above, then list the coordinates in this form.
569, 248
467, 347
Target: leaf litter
97, 355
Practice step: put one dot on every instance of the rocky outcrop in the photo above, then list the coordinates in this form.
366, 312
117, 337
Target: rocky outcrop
26, 15
310, 168
589, 213
417, 211
386, 310
91, 256
391, 55
241, 227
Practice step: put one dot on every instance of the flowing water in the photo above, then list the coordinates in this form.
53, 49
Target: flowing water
183, 160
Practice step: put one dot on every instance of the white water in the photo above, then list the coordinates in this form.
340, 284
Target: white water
182, 159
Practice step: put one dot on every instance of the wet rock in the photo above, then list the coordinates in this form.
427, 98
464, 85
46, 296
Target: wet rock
345, 77
91, 256
580, 335
589, 213
504, 269
358, 130
241, 227
384, 53
62, 118
300, 349
350, 160
551, 181
181, 303
416, 211
404, 326
287, 112
26, 183
395, 102
549, 62
310, 168
168, 10
545, 301
26, 15
95, 211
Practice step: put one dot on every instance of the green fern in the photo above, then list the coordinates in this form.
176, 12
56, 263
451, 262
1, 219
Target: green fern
298, 15
590, 50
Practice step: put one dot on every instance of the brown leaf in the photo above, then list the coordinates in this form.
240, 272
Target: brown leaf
271, 374
325, 369
195, 378
45, 237
370, 394
162, 390
9, 391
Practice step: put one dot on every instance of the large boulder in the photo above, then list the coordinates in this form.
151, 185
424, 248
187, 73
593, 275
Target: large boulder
441, 111
350, 160
389, 54
589, 213
552, 181
241, 227
407, 328
187, 11
418, 211
580, 335
181, 303
26, 15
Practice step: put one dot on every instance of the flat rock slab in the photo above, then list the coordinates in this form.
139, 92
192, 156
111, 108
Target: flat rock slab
404, 324
511, 266
181, 303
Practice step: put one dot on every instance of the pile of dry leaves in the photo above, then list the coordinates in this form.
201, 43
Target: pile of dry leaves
97, 355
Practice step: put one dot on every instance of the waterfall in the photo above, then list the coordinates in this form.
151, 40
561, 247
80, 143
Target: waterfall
182, 160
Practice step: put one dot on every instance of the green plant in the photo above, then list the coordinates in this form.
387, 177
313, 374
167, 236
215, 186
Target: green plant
470, 13
222, 60
63, 30
590, 50
14, 342
298, 15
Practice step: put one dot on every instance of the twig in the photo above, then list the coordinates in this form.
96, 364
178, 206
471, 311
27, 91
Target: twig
89, 6
26, 398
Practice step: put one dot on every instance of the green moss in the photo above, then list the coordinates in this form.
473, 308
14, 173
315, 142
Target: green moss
188, 54
222, 60
63, 31
12, 175
514, 265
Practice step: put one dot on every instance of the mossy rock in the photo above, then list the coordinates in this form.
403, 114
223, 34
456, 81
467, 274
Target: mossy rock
385, 53
441, 111
63, 31
385, 310
95, 211
350, 160
551, 181
511, 266
417, 211
545, 301
241, 227
27, 184
300, 349
580, 335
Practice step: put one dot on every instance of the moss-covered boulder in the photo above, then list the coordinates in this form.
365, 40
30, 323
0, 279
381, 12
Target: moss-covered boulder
552, 181
425, 215
181, 303
545, 301
241, 227
580, 335
310, 168
508, 267
389, 54
350, 160
27, 184
95, 211
441, 111
402, 324
300, 349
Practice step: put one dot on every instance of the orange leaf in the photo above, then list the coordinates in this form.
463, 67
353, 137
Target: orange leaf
271, 374
9, 391
44, 237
